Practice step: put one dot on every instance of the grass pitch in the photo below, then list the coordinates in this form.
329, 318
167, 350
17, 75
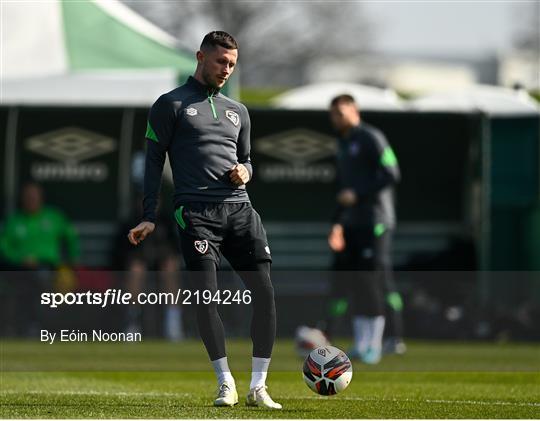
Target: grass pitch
164, 380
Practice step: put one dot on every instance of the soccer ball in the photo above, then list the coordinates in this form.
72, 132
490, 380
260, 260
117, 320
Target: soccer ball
307, 339
327, 370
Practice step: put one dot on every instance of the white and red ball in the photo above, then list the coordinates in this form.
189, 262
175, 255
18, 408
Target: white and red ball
327, 370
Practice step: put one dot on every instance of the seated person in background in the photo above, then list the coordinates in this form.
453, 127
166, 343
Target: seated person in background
33, 239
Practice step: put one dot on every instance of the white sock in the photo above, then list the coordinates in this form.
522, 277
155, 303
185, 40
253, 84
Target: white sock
377, 330
259, 371
361, 333
223, 373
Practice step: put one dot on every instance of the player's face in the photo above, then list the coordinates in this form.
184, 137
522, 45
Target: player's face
344, 116
32, 198
218, 65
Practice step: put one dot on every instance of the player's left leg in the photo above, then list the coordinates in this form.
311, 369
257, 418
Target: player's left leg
367, 296
393, 342
263, 331
338, 302
246, 249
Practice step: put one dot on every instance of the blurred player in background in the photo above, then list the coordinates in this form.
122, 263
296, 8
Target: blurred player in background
363, 225
38, 239
207, 138
159, 254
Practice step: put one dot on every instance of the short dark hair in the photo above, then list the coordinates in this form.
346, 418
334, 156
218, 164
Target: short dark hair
221, 38
342, 99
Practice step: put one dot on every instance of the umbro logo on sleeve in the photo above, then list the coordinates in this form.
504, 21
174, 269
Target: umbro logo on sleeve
191, 111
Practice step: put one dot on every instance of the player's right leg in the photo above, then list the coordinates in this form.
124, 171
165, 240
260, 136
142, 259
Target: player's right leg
172, 319
136, 276
202, 277
200, 248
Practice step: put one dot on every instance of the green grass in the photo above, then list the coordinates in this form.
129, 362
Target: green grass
259, 97
163, 380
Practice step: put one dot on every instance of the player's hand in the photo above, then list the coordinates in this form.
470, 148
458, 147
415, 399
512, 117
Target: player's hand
140, 232
239, 175
347, 197
336, 239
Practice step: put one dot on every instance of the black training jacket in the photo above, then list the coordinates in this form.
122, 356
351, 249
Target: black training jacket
367, 164
204, 134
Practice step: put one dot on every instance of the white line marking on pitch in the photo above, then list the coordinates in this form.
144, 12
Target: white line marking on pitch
344, 398
468, 402
96, 392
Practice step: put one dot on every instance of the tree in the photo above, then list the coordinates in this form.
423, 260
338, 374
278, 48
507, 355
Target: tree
278, 40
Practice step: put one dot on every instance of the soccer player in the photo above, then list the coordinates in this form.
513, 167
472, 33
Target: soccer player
207, 138
367, 171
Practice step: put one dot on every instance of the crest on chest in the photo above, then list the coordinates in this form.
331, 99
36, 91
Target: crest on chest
233, 117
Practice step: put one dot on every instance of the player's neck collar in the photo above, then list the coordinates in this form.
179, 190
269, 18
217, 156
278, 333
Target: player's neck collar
202, 87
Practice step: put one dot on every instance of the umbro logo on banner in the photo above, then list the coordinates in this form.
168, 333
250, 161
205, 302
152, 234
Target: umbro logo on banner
70, 147
234, 117
201, 246
71, 144
297, 146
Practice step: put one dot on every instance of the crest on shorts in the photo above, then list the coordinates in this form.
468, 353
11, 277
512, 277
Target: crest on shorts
201, 246
191, 111
234, 117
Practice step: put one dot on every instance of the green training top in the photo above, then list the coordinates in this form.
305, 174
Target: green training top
40, 237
